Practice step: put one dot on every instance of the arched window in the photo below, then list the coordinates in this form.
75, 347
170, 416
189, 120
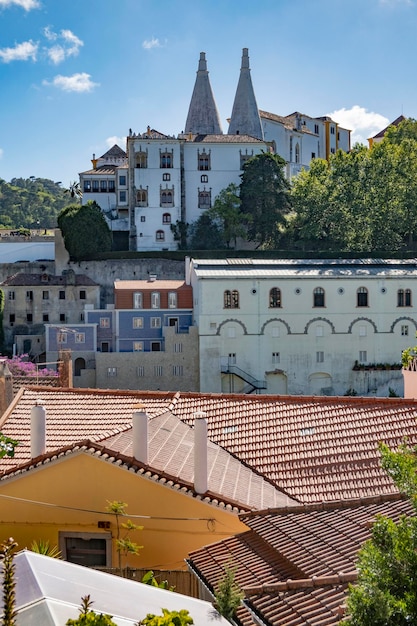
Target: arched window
160, 235
203, 161
204, 199
404, 297
141, 160
231, 299
166, 218
275, 298
318, 297
166, 160
142, 197
362, 297
167, 198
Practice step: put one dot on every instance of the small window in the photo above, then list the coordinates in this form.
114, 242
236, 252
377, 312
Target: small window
103, 186
142, 197
122, 196
204, 178
275, 298
166, 218
138, 346
275, 358
82, 317
12, 318
105, 346
122, 181
88, 549
111, 372
29, 318
62, 317
231, 299
29, 295
166, 177
297, 153
112, 186
138, 300
87, 186
166, 197
157, 370
404, 297
313, 155
319, 357
83, 294
332, 130
204, 199
11, 295
160, 235
363, 356
204, 161
362, 296
140, 371
45, 317
95, 186
45, 295
137, 322
79, 337
318, 297
143, 218
178, 370
155, 300
104, 322
316, 129
177, 347
155, 346
172, 300
155, 322
404, 330
232, 358
62, 295
61, 338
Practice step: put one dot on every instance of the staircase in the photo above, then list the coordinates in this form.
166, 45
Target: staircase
252, 383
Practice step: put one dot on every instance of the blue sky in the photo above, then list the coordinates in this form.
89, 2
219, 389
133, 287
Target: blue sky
75, 75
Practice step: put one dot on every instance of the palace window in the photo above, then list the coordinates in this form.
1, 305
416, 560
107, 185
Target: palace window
166, 177
404, 297
231, 299
103, 186
204, 178
87, 186
203, 161
141, 160
122, 196
111, 186
318, 297
320, 357
166, 159
122, 181
166, 218
45, 295
142, 197
167, 197
204, 199
275, 298
160, 235
362, 297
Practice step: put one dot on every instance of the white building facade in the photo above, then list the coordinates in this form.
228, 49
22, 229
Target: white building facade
303, 327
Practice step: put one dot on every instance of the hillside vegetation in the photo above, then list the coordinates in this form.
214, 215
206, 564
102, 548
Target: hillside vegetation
31, 203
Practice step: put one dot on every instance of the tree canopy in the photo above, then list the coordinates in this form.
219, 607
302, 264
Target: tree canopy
264, 197
386, 592
85, 230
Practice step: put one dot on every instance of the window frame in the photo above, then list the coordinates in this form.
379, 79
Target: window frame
275, 298
362, 297
319, 298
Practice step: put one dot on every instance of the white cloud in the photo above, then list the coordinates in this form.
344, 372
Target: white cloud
148, 44
1, 153
362, 123
70, 45
28, 5
120, 141
21, 52
80, 82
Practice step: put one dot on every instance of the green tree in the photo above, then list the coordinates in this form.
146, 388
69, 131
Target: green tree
85, 230
386, 592
205, 234
88, 617
124, 544
168, 618
226, 212
264, 196
9, 584
228, 594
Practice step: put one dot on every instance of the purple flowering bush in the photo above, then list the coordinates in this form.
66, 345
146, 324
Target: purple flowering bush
21, 366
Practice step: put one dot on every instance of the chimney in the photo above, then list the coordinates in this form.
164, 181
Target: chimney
65, 368
152, 278
200, 453
6, 386
140, 435
37, 431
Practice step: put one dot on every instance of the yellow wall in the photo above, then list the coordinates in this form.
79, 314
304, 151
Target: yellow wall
87, 482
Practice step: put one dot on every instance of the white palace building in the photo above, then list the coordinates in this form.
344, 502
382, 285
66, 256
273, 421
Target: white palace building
161, 179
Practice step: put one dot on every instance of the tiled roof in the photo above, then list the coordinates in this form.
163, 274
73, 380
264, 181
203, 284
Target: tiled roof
36, 280
115, 151
106, 170
313, 448
143, 285
106, 419
294, 564
396, 122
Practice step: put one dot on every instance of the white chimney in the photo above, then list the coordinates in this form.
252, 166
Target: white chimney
200, 453
140, 435
37, 431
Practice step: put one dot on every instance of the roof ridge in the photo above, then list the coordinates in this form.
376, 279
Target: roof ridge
302, 583
328, 505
